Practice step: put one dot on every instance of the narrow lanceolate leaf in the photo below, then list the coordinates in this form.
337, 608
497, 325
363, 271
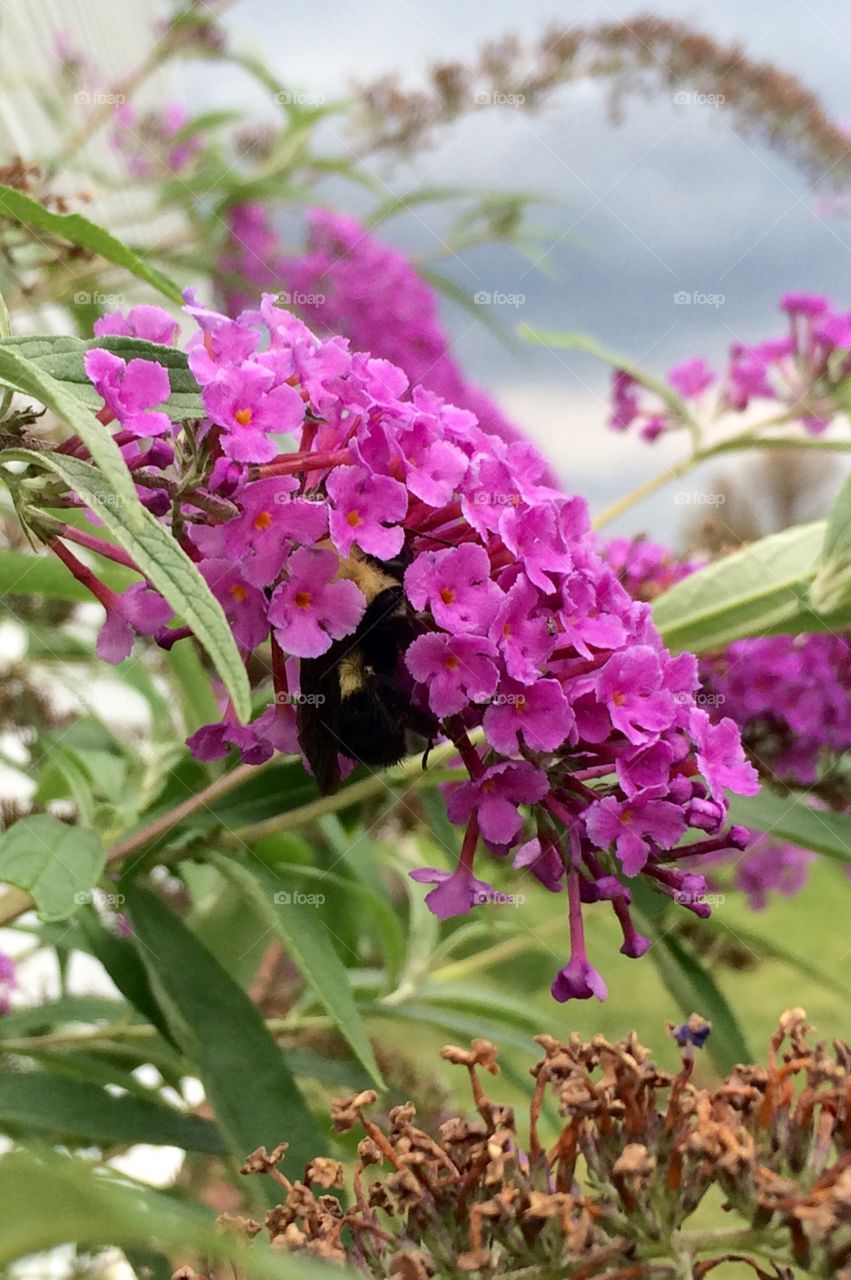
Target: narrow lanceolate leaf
295, 915
244, 1072
581, 342
49, 1200
55, 863
38, 1103
61, 357
831, 587
760, 590
73, 227
159, 558
790, 817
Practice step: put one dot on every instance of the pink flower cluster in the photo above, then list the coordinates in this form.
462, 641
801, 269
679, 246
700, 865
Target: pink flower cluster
349, 282
787, 694
799, 373
588, 761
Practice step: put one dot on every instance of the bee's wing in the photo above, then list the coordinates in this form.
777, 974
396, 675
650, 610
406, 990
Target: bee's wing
317, 717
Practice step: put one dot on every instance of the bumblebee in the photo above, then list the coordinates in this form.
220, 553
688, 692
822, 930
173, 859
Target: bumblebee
354, 699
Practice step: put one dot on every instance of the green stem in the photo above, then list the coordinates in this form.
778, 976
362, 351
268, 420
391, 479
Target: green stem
742, 440
135, 1031
14, 902
363, 790
645, 490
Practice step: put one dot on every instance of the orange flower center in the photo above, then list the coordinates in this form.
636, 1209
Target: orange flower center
451, 663
262, 520
302, 599
239, 592
447, 595
243, 417
353, 519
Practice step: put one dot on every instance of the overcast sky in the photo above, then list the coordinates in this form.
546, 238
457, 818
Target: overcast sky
671, 200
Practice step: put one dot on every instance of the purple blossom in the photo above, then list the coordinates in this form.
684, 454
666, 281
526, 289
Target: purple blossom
138, 611
631, 825
244, 605
538, 713
144, 321
365, 512
457, 891
456, 670
631, 684
249, 406
309, 609
721, 757
456, 586
691, 378
130, 390
494, 797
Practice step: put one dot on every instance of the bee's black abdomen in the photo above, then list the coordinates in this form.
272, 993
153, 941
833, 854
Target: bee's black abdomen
372, 723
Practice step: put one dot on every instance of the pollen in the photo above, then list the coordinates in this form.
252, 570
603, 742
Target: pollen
302, 599
354, 519
447, 595
243, 416
239, 592
262, 520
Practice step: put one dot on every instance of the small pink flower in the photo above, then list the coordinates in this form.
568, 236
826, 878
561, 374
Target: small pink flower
139, 611
148, 322
309, 609
539, 713
131, 390
456, 585
495, 795
366, 512
246, 403
244, 605
456, 670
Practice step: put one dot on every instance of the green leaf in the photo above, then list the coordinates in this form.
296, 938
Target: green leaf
789, 817
34, 1102
694, 990
57, 864
158, 557
24, 574
244, 1072
760, 590
50, 1200
78, 230
831, 586
304, 932
581, 342
61, 358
